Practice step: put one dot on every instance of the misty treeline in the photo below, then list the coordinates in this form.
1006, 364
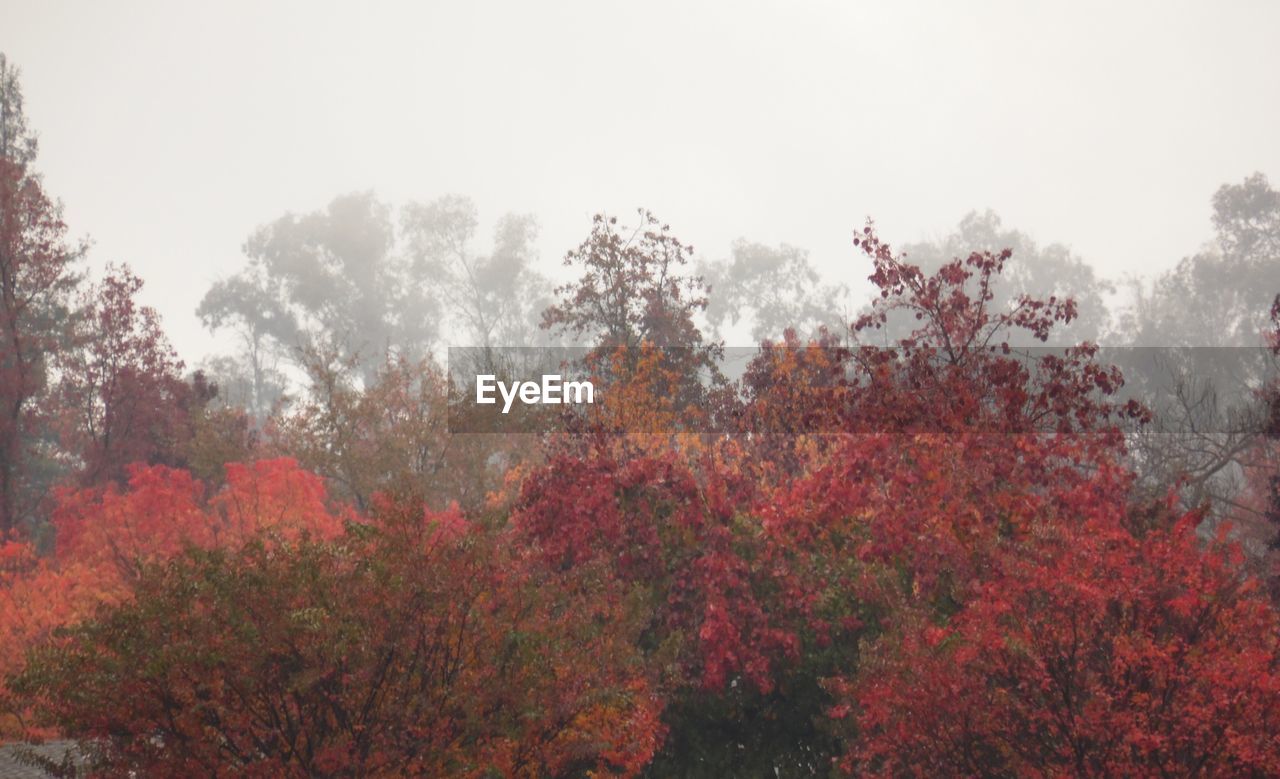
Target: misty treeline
333, 304
333, 307
905, 553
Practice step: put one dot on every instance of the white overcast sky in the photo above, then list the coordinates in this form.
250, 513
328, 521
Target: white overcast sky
170, 130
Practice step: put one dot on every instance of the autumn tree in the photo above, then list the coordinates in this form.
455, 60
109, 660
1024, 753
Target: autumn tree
108, 535
631, 289
37, 277
683, 541
898, 475
1012, 510
221, 431
1031, 270
419, 645
1092, 653
767, 564
632, 304
122, 396
18, 143
957, 369
389, 434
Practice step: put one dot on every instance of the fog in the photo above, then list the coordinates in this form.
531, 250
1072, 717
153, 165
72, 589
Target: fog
171, 132
862, 351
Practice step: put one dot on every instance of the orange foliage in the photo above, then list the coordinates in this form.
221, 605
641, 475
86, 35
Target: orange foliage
107, 536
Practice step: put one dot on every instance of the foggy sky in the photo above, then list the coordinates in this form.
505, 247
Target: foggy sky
171, 130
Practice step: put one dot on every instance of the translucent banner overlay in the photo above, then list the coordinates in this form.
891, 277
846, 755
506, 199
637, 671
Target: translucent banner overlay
764, 390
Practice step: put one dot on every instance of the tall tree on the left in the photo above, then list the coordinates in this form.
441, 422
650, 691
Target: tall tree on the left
37, 276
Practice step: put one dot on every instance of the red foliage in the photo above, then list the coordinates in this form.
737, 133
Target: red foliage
122, 396
926, 555
419, 646
107, 536
163, 511
1091, 653
655, 525
883, 495
36, 272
